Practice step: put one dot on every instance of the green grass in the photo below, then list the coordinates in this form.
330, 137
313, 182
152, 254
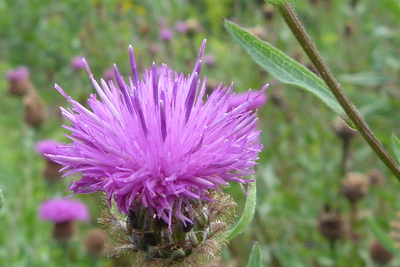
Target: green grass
299, 168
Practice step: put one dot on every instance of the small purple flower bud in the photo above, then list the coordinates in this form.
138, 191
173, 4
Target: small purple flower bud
18, 74
209, 59
77, 63
181, 27
108, 74
166, 34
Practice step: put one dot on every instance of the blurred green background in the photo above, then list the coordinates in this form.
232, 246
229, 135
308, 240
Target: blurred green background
299, 170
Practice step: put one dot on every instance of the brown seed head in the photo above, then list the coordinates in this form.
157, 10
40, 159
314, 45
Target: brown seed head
378, 253
268, 11
51, 171
63, 232
342, 130
95, 242
348, 28
355, 186
331, 224
193, 27
375, 177
34, 109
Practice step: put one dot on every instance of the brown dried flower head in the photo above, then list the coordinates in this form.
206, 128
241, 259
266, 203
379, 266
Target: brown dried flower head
378, 253
355, 186
331, 224
34, 109
95, 242
64, 231
375, 177
19, 81
151, 243
342, 130
268, 11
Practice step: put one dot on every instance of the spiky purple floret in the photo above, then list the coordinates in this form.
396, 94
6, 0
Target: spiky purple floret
156, 142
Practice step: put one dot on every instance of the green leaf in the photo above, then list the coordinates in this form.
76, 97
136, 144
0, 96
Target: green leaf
396, 146
384, 239
255, 256
1, 199
283, 68
275, 2
248, 213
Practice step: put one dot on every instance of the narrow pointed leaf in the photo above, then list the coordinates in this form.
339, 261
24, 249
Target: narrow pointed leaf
255, 256
1, 199
283, 68
383, 238
248, 213
396, 147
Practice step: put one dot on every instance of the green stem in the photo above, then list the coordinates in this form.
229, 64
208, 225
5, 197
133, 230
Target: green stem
332, 245
311, 50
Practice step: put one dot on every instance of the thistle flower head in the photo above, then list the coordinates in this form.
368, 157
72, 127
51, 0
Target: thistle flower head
18, 74
159, 142
63, 210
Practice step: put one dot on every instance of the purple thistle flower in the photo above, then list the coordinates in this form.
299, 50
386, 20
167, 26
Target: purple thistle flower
108, 74
63, 210
18, 74
156, 142
209, 59
181, 27
257, 99
77, 63
166, 34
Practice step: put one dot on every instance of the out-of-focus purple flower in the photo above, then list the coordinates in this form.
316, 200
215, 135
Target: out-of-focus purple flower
181, 27
18, 74
19, 81
63, 210
77, 63
155, 143
108, 74
256, 98
209, 59
47, 146
166, 34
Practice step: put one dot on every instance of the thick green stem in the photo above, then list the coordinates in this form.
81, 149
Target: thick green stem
311, 50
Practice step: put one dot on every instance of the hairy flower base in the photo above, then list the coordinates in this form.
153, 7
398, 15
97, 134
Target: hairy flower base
152, 243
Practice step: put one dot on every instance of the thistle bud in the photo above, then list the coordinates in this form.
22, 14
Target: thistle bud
95, 242
34, 109
193, 27
63, 232
355, 186
268, 12
342, 130
378, 253
348, 28
19, 81
375, 177
152, 242
331, 224
63, 213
